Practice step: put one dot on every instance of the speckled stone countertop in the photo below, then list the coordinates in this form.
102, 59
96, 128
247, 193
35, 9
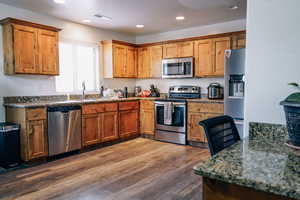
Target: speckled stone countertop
72, 102
57, 100
206, 100
262, 162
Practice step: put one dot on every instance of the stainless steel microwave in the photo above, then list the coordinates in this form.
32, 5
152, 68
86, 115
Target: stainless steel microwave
178, 68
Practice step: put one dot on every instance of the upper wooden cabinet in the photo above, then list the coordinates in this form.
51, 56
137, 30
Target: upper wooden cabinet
209, 56
238, 41
179, 49
144, 64
29, 48
149, 61
120, 60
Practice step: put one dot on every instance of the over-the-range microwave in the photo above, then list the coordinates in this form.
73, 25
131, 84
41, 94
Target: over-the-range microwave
178, 68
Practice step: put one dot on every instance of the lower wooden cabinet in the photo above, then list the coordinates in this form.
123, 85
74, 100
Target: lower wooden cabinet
109, 126
198, 112
99, 123
147, 124
91, 129
33, 133
128, 119
129, 123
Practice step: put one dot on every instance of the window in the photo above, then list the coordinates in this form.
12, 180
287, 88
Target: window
78, 62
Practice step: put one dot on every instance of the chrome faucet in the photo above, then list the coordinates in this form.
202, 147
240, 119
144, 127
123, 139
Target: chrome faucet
83, 90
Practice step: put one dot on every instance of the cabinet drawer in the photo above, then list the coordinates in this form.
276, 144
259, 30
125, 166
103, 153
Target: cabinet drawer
147, 105
36, 114
110, 107
131, 105
92, 108
206, 107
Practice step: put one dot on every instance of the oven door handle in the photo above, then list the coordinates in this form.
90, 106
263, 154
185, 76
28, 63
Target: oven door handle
174, 103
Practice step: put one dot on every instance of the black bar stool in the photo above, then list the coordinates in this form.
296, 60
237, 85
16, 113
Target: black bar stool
221, 133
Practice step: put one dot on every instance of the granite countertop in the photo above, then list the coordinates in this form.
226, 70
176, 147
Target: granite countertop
259, 162
206, 100
73, 102
30, 102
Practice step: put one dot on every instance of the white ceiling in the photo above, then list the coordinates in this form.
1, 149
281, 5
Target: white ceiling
156, 15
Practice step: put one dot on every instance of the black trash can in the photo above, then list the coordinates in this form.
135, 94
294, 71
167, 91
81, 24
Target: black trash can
9, 145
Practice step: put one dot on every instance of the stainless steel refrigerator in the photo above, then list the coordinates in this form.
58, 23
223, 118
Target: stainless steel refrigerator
235, 86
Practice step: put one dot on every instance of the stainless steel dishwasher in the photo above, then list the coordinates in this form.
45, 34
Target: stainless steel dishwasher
64, 129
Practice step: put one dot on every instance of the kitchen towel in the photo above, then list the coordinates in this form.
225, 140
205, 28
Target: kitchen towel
168, 112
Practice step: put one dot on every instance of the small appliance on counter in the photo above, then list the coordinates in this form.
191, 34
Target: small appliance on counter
9, 145
154, 91
171, 114
137, 91
215, 91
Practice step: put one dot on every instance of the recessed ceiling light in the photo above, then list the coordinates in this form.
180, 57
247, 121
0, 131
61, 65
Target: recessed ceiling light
103, 17
86, 21
234, 7
180, 18
59, 1
140, 26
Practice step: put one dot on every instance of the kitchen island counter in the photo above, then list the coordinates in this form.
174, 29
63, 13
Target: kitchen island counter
262, 163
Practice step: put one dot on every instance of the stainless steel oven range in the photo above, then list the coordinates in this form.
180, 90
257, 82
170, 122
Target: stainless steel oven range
171, 114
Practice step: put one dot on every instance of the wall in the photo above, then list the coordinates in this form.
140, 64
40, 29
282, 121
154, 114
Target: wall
164, 84
272, 58
43, 85
231, 26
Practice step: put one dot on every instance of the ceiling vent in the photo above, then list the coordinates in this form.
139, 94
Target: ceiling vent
103, 17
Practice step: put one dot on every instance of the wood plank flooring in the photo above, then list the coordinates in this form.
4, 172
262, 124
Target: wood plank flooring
140, 169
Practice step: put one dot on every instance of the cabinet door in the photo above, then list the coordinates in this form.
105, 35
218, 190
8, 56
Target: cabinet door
195, 131
203, 58
48, 52
25, 50
119, 60
128, 123
110, 126
144, 62
239, 41
37, 139
147, 122
156, 55
171, 50
131, 63
186, 49
91, 127
220, 45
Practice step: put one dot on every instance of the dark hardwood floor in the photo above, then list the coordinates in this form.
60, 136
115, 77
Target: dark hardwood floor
140, 169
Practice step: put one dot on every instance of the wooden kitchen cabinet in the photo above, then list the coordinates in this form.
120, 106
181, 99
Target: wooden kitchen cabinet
99, 123
156, 56
147, 116
33, 133
91, 129
203, 58
209, 56
238, 41
149, 61
48, 52
29, 48
37, 139
198, 112
128, 119
110, 126
178, 50
120, 60
219, 47
144, 62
